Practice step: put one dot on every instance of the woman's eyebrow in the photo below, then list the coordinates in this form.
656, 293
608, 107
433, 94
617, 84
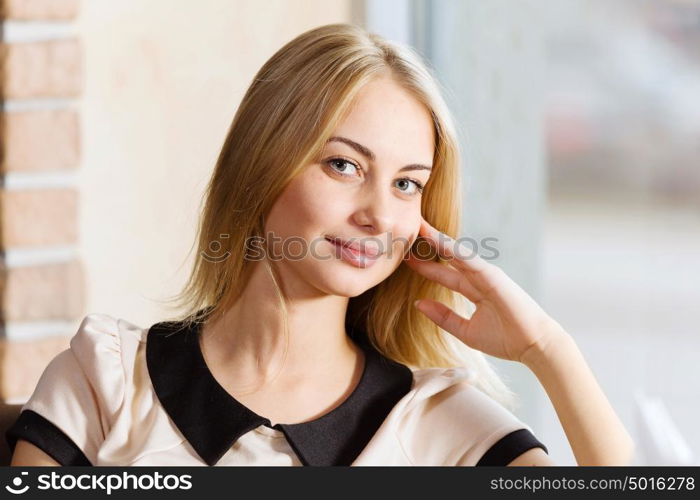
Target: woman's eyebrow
363, 150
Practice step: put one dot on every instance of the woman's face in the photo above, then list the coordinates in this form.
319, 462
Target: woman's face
364, 190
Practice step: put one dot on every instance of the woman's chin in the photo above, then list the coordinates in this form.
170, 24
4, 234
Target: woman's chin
348, 282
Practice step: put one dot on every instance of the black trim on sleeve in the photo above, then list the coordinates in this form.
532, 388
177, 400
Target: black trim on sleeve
509, 447
42, 433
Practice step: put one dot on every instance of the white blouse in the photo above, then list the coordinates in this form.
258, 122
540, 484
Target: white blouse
123, 395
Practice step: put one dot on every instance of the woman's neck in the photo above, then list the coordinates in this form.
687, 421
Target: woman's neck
247, 340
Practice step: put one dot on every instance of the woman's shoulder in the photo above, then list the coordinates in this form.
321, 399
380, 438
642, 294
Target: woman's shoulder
78, 395
437, 390
104, 347
431, 383
448, 419
106, 331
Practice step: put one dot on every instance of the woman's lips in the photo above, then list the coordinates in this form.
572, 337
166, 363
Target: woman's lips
369, 247
352, 253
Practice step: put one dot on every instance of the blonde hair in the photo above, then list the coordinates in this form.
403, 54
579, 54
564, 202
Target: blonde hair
291, 108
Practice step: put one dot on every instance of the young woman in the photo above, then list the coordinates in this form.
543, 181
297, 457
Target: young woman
325, 319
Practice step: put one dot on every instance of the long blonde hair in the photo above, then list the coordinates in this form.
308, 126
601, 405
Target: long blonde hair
291, 108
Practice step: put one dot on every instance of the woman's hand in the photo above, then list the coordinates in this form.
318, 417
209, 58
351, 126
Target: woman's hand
507, 322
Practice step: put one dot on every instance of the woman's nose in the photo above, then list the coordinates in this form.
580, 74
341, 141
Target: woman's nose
376, 212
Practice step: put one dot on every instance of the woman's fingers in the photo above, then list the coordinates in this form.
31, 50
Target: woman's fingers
483, 276
447, 276
444, 317
456, 252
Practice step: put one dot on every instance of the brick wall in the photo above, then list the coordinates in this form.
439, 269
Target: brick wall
41, 275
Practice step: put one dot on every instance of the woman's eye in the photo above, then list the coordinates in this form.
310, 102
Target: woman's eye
417, 186
406, 185
341, 162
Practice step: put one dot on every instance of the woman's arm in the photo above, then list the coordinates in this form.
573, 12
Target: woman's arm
533, 456
27, 454
596, 435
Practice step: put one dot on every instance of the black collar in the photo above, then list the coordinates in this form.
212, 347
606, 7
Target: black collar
212, 420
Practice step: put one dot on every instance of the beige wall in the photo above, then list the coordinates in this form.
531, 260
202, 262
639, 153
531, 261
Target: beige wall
162, 81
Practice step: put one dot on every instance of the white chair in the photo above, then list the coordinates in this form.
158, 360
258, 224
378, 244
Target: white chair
659, 441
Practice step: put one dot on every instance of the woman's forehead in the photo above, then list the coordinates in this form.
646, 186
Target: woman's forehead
389, 121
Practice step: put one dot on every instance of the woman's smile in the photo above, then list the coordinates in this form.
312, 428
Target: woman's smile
354, 253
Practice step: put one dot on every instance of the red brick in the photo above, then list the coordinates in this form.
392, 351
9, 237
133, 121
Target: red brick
40, 140
41, 69
43, 292
36, 217
39, 9
23, 362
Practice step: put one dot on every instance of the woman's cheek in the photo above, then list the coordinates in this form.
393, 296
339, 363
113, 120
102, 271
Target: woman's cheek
316, 199
302, 193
